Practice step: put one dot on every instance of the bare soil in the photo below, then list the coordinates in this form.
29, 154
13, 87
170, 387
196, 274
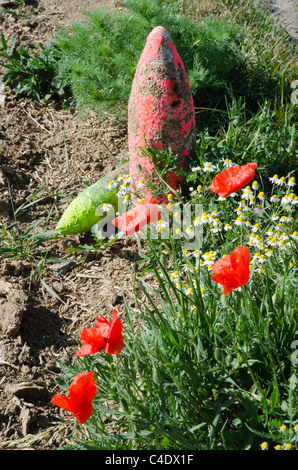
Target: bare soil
34, 324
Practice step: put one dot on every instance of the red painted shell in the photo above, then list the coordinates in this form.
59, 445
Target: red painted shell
160, 109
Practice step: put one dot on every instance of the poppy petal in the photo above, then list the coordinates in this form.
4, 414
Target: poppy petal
81, 393
62, 402
136, 218
115, 339
92, 341
232, 271
232, 179
83, 387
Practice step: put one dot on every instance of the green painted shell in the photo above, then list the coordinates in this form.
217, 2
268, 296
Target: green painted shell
84, 211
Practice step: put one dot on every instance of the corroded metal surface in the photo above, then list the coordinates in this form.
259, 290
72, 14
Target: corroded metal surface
160, 110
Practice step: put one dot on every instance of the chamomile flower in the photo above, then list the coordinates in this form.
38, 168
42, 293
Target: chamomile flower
274, 198
227, 162
196, 253
216, 229
128, 178
273, 179
281, 181
175, 276
161, 224
291, 182
203, 292
247, 194
126, 199
239, 221
255, 185
106, 207
125, 186
187, 268
264, 446
255, 227
259, 210
189, 232
112, 185
227, 227
188, 290
261, 196
285, 200
209, 167
197, 221
288, 447
141, 184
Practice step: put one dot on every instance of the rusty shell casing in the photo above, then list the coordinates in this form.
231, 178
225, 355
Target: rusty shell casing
160, 110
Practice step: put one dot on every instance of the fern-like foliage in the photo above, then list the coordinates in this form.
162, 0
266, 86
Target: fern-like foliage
99, 56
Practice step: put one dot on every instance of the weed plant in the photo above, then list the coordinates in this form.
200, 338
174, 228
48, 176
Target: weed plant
199, 369
99, 56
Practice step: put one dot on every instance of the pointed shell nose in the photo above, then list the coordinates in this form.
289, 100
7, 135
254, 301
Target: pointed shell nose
160, 109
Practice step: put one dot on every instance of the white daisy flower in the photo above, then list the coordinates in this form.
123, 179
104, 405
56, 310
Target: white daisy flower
141, 184
227, 162
281, 181
285, 200
259, 210
209, 167
273, 179
256, 227
274, 198
112, 185
247, 194
261, 196
106, 207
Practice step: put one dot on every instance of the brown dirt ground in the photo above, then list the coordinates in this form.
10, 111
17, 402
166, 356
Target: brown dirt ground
33, 323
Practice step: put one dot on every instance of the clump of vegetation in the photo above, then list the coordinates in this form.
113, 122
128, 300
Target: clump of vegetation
32, 74
99, 56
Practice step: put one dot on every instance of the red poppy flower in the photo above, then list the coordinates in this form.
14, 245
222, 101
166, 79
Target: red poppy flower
103, 335
233, 179
232, 271
81, 393
137, 217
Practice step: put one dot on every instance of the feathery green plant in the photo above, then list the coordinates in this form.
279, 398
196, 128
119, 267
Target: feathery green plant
99, 56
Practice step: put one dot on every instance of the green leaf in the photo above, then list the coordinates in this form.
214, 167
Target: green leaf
51, 291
